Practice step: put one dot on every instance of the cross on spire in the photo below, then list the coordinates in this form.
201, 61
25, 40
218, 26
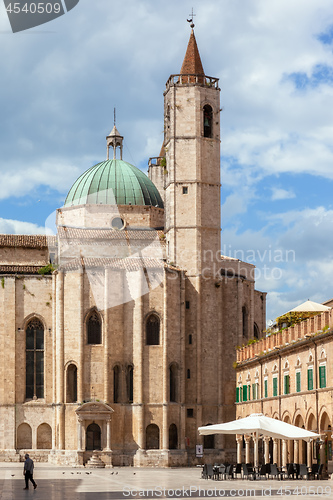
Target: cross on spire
191, 19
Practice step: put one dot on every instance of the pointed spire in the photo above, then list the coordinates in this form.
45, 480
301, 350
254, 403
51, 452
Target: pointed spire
114, 140
192, 64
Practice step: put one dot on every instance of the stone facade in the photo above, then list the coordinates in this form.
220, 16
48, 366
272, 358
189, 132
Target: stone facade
127, 347
288, 376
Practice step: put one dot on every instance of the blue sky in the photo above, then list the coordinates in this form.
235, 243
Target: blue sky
60, 82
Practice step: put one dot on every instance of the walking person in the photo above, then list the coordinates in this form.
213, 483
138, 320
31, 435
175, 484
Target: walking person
28, 472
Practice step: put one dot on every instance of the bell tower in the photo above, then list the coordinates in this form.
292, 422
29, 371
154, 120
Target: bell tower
192, 149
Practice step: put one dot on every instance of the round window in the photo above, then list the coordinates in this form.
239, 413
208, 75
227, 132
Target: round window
117, 223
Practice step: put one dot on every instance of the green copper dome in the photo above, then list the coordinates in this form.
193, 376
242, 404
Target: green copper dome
114, 182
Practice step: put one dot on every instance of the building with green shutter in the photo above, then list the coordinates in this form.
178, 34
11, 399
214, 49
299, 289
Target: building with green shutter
288, 376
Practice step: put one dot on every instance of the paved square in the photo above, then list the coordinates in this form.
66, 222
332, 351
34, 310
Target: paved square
57, 483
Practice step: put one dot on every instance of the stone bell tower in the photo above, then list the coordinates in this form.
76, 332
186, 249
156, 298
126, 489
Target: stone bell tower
192, 151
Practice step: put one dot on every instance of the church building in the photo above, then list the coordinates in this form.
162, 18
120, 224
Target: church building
118, 334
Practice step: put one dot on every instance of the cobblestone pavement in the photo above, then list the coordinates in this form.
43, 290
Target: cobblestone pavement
57, 483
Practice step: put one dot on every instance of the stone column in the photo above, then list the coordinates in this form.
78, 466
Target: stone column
108, 435
239, 440
322, 452
284, 452
165, 365
247, 449
79, 434
309, 453
266, 441
275, 451
296, 451
182, 394
138, 333
107, 284
60, 358
80, 374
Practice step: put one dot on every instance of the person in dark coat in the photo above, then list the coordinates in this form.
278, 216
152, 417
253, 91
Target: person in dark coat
28, 472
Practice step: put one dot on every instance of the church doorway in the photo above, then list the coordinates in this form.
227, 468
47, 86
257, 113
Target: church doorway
93, 437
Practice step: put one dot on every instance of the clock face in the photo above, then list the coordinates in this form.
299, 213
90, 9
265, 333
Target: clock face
117, 223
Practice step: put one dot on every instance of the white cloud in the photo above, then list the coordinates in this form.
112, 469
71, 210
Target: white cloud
10, 226
282, 194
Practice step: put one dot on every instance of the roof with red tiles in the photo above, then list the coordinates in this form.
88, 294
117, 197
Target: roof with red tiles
9, 269
192, 64
128, 264
26, 240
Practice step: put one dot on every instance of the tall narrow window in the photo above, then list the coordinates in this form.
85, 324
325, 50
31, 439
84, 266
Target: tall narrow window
310, 379
322, 376
71, 390
153, 330
129, 380
116, 384
237, 394
173, 383
208, 120
94, 328
275, 386
266, 388
244, 392
298, 381
34, 360
286, 384
244, 320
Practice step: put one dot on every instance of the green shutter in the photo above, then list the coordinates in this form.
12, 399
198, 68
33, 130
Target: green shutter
249, 392
254, 396
322, 376
266, 388
244, 392
286, 384
310, 379
298, 382
275, 390
237, 394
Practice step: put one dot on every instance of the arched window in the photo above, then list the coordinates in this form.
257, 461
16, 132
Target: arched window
24, 437
153, 330
152, 437
173, 437
244, 321
93, 437
129, 383
34, 356
208, 120
209, 441
71, 386
256, 331
94, 328
173, 375
116, 384
44, 437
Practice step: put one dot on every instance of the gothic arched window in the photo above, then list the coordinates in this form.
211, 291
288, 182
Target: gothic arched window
71, 386
173, 372
34, 356
129, 383
94, 328
256, 331
116, 383
152, 437
244, 320
208, 121
173, 437
153, 330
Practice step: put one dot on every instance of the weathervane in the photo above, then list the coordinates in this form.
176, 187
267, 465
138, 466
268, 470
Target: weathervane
114, 116
191, 19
